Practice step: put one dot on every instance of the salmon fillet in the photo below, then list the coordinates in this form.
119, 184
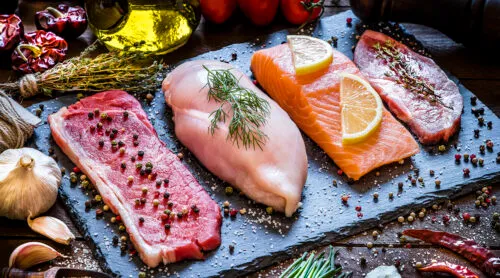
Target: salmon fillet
431, 122
313, 102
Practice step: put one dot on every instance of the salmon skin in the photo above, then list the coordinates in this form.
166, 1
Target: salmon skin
313, 102
403, 78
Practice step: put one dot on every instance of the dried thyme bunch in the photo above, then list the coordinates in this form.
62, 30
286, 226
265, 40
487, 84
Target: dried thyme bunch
114, 70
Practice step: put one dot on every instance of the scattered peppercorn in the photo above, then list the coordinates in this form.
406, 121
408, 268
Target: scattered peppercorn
466, 172
481, 161
400, 185
489, 144
473, 100
466, 157
442, 148
362, 261
140, 153
98, 212
431, 173
228, 190
489, 124
141, 219
401, 219
269, 210
476, 133
481, 149
375, 195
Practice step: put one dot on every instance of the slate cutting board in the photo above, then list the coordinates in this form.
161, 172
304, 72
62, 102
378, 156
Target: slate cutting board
260, 239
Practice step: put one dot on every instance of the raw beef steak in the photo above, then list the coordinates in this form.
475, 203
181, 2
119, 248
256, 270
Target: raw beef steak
168, 215
416, 90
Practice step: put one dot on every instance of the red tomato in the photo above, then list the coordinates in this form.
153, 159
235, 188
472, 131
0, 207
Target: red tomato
217, 11
301, 11
260, 12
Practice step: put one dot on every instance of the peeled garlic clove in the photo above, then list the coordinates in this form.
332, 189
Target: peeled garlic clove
32, 253
52, 228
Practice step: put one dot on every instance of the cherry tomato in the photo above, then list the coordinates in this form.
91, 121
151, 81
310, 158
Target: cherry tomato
301, 11
217, 11
260, 12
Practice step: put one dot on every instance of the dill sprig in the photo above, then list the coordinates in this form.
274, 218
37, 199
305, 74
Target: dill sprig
318, 266
404, 74
249, 110
120, 70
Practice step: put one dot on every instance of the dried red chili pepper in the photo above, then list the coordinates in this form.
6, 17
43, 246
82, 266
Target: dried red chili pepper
65, 21
11, 31
453, 269
38, 52
481, 257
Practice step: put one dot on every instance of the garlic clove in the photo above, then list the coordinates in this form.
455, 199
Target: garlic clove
32, 253
52, 228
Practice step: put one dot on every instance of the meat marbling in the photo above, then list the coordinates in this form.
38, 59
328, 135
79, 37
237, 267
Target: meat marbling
80, 139
274, 175
431, 122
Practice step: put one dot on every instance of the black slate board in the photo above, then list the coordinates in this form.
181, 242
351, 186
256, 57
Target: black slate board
261, 240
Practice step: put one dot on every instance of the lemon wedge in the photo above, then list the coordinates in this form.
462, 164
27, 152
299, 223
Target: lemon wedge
309, 54
361, 109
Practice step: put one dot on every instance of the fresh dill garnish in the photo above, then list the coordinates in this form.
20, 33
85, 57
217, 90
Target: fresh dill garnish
249, 110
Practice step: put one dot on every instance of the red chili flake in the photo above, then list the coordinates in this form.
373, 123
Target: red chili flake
446, 219
76, 170
466, 172
358, 208
348, 20
340, 172
360, 214
457, 157
118, 218
233, 212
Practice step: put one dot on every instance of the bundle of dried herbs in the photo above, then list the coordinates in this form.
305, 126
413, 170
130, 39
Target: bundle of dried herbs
131, 72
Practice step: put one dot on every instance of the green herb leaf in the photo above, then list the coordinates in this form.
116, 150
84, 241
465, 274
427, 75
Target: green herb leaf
249, 110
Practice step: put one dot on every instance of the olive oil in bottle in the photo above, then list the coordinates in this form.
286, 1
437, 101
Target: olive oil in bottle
158, 26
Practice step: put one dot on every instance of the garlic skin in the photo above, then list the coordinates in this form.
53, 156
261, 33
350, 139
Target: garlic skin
29, 181
52, 228
32, 253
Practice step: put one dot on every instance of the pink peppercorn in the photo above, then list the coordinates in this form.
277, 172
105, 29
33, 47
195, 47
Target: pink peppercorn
345, 198
76, 170
358, 208
340, 172
233, 212
472, 156
466, 171
466, 216
255, 82
446, 219
457, 157
348, 20
360, 214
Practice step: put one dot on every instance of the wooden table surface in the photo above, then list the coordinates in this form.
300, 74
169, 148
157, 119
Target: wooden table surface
480, 74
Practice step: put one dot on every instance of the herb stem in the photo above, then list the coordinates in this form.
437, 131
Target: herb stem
249, 111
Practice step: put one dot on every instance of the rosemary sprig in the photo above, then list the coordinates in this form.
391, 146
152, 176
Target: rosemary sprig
315, 267
129, 71
404, 74
249, 110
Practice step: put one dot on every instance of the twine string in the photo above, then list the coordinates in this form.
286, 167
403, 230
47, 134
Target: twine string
14, 130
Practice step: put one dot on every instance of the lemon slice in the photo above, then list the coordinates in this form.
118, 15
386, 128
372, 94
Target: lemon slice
309, 54
361, 112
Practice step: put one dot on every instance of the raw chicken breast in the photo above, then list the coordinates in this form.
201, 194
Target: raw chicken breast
274, 175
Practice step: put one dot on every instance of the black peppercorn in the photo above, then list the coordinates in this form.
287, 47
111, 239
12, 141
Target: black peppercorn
91, 115
135, 136
141, 219
140, 153
231, 249
166, 195
473, 100
101, 143
167, 226
476, 133
115, 240
125, 114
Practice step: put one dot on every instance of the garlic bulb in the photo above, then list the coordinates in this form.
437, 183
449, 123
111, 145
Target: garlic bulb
28, 183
